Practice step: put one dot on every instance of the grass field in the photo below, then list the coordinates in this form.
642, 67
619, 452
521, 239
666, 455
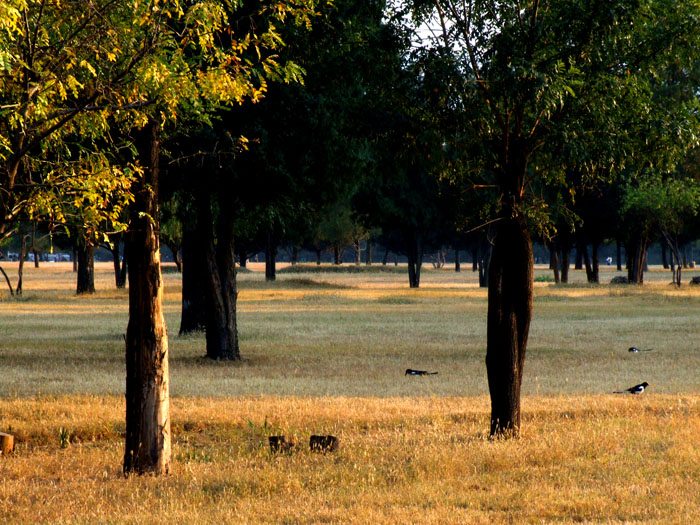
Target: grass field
325, 353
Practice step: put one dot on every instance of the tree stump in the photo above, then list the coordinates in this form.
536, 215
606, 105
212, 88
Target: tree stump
7, 443
323, 443
281, 444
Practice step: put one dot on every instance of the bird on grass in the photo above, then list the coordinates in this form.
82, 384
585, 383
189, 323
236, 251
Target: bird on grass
411, 372
637, 389
634, 349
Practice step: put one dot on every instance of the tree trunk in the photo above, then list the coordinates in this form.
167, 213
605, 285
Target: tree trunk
636, 257
565, 253
664, 256
222, 330
368, 254
336, 255
20, 268
458, 266
414, 253
358, 252
509, 313
578, 261
554, 263
485, 250
386, 256
295, 255
194, 272
119, 275
148, 439
318, 256
270, 257
475, 257
175, 249
86, 267
75, 258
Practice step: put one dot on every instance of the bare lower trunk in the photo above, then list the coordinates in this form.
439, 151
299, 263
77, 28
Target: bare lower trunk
119, 274
458, 266
618, 248
386, 256
336, 255
509, 313
221, 327
318, 256
414, 254
636, 252
86, 268
194, 268
20, 268
148, 440
554, 263
368, 255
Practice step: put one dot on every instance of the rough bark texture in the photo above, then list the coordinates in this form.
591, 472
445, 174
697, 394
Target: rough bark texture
86, 268
509, 313
148, 440
221, 327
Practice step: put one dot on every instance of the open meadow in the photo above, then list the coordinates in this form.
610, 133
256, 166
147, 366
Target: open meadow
325, 353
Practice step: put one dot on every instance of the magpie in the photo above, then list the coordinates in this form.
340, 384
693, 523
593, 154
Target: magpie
411, 372
635, 349
637, 389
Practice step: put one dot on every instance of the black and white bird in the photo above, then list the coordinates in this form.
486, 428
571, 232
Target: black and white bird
411, 372
637, 389
634, 349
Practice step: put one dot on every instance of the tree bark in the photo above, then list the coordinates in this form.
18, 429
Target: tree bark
554, 263
618, 247
20, 268
194, 269
318, 256
86, 267
358, 252
270, 257
119, 265
386, 256
368, 254
485, 250
509, 313
458, 265
221, 327
636, 257
148, 439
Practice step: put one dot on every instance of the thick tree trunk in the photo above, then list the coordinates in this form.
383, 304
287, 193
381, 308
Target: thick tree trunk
194, 273
148, 439
636, 259
222, 330
86, 268
458, 265
270, 257
318, 256
358, 252
386, 256
295, 255
509, 313
368, 254
595, 263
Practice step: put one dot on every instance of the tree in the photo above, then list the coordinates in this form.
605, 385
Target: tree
547, 86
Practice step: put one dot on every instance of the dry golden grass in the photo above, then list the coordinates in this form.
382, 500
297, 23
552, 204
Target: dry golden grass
325, 353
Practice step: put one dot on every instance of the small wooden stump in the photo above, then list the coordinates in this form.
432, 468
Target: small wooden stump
7, 443
281, 444
323, 443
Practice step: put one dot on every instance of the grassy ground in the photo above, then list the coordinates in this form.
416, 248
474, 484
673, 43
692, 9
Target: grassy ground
325, 353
